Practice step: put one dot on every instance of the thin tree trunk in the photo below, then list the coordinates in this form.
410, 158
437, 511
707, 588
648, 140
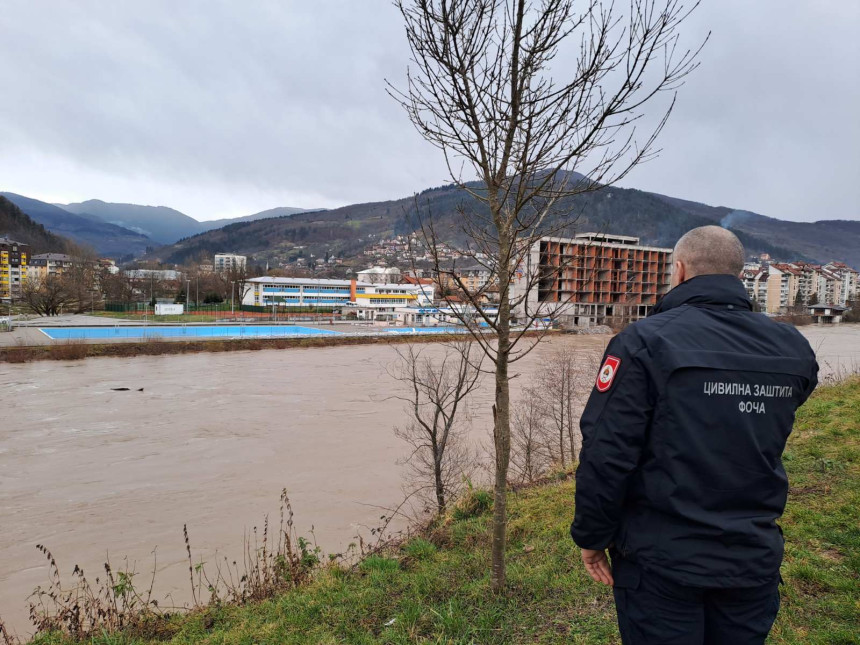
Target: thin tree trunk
502, 439
437, 473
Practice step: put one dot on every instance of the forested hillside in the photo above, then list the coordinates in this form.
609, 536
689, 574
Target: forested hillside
107, 239
347, 230
18, 226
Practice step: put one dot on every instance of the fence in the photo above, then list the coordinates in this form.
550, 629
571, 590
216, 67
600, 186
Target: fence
222, 312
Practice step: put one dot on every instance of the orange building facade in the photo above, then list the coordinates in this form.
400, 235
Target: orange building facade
594, 278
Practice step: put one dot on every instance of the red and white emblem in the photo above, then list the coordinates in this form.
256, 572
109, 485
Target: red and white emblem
607, 373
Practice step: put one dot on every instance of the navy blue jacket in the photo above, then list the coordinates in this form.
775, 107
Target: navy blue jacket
682, 438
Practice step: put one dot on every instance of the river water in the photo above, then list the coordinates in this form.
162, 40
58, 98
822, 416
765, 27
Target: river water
210, 442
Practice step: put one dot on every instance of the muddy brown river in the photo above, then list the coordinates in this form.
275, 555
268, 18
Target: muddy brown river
210, 442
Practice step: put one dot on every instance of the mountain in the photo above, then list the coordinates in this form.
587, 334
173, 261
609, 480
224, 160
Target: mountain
18, 226
656, 219
160, 223
106, 239
819, 241
822, 240
280, 211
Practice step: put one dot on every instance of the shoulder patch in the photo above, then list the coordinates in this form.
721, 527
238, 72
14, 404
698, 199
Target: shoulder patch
607, 373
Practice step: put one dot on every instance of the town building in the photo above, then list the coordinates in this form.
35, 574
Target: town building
229, 262
366, 300
783, 284
592, 278
43, 265
754, 277
379, 275
473, 277
13, 267
849, 279
781, 287
154, 274
827, 314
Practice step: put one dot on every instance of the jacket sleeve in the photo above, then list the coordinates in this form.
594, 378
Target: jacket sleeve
614, 426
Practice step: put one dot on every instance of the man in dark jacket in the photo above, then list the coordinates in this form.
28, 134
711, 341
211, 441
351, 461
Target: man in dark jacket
680, 476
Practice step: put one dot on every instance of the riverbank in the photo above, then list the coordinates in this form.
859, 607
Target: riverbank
435, 587
76, 350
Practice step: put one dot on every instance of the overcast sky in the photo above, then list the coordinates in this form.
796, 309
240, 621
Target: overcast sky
225, 108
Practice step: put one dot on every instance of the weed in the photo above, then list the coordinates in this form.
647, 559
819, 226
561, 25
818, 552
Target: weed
472, 503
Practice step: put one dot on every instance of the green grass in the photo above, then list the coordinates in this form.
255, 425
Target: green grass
435, 589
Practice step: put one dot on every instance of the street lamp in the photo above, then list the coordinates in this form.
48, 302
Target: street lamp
232, 297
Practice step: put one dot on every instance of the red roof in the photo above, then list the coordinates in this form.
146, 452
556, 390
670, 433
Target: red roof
408, 279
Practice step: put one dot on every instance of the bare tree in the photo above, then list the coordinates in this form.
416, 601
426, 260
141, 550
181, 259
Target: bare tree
437, 389
564, 384
235, 285
529, 457
80, 280
480, 89
46, 296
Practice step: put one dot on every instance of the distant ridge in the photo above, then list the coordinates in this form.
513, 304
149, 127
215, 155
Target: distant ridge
159, 223
106, 239
127, 230
656, 219
162, 224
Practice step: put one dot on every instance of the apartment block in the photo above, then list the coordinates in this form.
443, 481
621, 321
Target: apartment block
849, 279
592, 278
780, 286
229, 262
43, 265
783, 283
755, 277
13, 267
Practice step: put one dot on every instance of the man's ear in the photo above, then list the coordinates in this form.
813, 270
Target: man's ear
679, 273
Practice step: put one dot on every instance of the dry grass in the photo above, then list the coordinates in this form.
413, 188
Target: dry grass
154, 347
274, 562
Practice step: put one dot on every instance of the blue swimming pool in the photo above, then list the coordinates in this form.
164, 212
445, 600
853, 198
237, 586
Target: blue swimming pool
191, 331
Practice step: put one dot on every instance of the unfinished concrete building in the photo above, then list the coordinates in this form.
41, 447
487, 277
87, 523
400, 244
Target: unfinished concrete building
593, 278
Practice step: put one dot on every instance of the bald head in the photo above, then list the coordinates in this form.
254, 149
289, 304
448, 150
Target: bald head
708, 250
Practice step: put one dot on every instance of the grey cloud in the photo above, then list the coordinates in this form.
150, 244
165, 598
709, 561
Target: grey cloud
274, 99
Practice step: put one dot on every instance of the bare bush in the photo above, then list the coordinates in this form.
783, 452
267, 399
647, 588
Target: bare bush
529, 457
440, 458
545, 421
564, 386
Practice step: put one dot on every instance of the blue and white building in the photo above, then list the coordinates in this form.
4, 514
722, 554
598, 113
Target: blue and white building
368, 301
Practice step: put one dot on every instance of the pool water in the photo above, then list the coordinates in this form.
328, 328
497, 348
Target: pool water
193, 331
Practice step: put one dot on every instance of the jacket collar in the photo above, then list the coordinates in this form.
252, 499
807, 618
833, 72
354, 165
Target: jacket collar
711, 290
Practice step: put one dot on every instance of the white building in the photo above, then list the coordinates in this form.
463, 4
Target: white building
229, 261
379, 275
368, 301
155, 274
754, 278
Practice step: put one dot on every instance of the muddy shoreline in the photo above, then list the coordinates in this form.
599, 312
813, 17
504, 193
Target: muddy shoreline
80, 350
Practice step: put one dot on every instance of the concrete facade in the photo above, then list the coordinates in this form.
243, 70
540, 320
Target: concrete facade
592, 278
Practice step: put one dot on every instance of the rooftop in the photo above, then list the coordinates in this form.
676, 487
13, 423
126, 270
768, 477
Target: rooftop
59, 257
6, 240
605, 240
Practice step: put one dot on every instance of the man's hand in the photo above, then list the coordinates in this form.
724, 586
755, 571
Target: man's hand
597, 566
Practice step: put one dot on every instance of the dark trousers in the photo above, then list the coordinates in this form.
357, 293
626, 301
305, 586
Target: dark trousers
652, 609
